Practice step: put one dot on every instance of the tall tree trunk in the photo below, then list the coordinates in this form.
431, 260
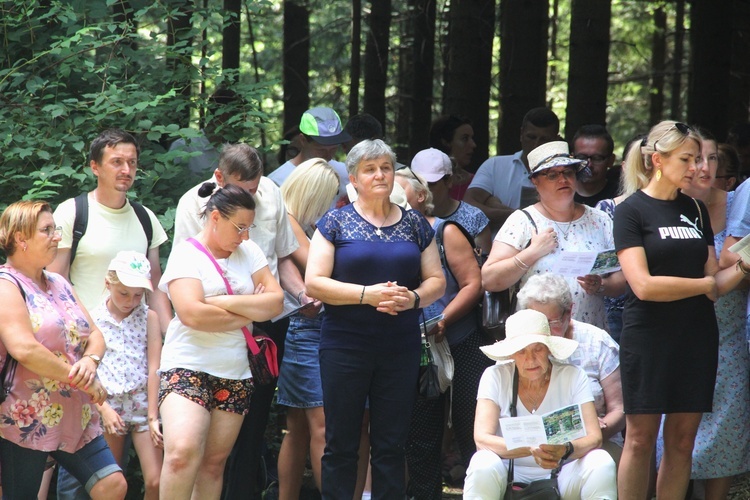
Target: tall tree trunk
256, 73
523, 66
230, 46
376, 59
739, 86
468, 75
356, 57
401, 137
679, 50
658, 67
423, 70
296, 62
708, 90
178, 32
589, 64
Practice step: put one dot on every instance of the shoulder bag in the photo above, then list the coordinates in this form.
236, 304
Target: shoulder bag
542, 489
497, 306
429, 378
263, 357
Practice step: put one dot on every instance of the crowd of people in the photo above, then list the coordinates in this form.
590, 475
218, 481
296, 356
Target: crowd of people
342, 266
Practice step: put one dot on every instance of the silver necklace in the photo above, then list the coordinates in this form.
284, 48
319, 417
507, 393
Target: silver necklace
378, 229
558, 226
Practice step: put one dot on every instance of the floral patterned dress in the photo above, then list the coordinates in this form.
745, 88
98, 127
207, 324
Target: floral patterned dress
40, 413
590, 232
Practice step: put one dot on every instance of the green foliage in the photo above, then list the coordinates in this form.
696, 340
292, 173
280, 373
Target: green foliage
71, 68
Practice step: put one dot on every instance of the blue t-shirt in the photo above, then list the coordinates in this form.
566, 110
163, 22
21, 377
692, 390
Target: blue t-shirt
364, 258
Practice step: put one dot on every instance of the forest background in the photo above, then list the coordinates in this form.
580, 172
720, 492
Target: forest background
70, 68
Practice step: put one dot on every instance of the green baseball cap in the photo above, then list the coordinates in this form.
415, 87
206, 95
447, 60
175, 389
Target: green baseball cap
323, 125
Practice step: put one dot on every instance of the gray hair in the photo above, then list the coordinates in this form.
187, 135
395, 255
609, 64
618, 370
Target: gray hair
545, 288
368, 150
419, 185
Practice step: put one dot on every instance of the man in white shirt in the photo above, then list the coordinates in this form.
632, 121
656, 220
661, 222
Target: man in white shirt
502, 184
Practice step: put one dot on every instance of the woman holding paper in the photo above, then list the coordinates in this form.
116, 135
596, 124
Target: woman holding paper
533, 240
545, 384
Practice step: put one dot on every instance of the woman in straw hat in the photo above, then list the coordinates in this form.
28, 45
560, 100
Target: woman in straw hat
532, 242
545, 384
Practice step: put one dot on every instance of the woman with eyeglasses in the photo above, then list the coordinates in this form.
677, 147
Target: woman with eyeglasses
206, 381
669, 343
533, 240
722, 444
50, 349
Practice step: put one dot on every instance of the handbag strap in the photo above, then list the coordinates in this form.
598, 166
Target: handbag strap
10, 364
441, 245
513, 413
700, 213
245, 330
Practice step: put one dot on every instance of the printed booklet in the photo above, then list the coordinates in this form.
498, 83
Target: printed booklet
555, 427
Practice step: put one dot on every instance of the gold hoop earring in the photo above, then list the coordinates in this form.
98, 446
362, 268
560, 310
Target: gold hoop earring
658, 175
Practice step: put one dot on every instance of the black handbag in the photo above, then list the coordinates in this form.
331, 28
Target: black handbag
9, 366
429, 380
497, 306
542, 489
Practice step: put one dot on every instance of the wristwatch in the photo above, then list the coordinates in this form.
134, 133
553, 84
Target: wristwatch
96, 358
416, 299
568, 451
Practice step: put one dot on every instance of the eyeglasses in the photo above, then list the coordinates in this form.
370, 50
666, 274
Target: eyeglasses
682, 128
416, 177
241, 230
52, 231
593, 159
553, 175
724, 176
554, 323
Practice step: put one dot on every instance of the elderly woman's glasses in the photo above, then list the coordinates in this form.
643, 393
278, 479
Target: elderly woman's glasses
52, 231
682, 128
241, 230
553, 175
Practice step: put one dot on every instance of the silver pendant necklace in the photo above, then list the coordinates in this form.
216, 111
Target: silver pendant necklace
378, 229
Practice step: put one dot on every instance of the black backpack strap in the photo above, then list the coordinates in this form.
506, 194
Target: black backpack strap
441, 246
80, 223
145, 220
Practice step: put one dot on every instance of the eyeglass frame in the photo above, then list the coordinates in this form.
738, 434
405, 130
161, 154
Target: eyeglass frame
593, 159
241, 230
554, 176
559, 320
52, 231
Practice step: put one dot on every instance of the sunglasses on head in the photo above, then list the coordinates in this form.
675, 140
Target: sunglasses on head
682, 128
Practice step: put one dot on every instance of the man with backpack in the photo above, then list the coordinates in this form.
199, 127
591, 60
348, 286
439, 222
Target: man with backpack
99, 224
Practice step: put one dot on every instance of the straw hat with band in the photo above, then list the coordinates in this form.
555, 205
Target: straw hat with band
528, 327
553, 154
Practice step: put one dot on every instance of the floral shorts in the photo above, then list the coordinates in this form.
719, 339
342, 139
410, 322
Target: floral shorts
206, 390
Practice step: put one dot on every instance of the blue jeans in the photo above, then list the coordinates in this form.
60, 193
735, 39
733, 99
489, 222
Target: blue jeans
349, 377
23, 468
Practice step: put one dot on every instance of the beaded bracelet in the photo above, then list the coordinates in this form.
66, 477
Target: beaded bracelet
362, 296
740, 265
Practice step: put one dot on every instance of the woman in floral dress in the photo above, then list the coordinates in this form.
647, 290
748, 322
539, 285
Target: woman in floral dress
51, 378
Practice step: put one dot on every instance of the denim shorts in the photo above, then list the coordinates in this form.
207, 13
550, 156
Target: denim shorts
132, 408
210, 392
23, 468
299, 378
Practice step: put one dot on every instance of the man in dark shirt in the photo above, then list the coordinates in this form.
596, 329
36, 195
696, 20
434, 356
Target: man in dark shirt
594, 144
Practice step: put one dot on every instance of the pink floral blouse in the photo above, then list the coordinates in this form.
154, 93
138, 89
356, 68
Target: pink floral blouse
40, 413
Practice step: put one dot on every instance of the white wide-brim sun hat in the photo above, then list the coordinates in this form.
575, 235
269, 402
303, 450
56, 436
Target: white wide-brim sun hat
553, 154
525, 328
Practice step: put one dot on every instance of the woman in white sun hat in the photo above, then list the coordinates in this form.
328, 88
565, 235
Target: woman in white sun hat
545, 384
533, 240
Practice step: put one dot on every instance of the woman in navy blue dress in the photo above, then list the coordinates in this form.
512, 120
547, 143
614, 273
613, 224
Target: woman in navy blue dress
373, 265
